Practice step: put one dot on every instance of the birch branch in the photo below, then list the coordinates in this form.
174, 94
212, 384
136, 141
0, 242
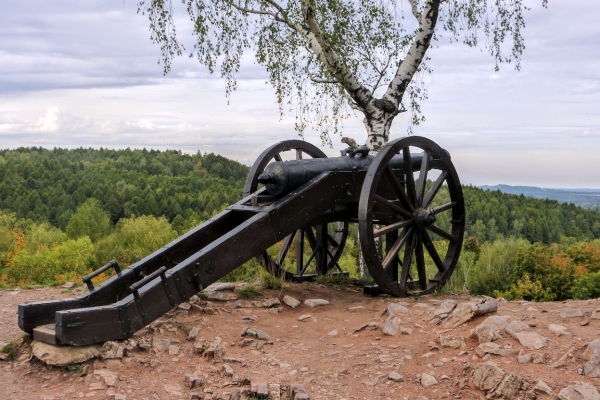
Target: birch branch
409, 66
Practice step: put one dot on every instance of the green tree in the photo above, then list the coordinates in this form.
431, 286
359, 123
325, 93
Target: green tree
335, 54
135, 238
89, 220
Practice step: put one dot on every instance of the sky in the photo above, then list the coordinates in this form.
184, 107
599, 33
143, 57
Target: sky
85, 74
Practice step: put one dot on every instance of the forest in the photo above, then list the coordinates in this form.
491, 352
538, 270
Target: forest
64, 213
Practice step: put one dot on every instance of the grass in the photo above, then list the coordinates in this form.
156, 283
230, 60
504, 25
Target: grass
272, 282
202, 295
11, 349
76, 368
247, 292
334, 281
182, 327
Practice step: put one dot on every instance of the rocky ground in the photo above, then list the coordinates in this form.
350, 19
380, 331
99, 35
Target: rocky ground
354, 347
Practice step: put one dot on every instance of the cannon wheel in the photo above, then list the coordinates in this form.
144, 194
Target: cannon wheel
333, 235
405, 251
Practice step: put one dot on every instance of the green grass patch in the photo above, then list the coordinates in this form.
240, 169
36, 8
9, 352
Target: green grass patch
11, 349
272, 282
247, 292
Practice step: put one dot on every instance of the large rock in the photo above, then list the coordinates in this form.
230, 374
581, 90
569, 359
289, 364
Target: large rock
290, 301
558, 329
428, 380
571, 313
64, 355
496, 382
531, 340
579, 391
490, 329
394, 309
112, 349
488, 376
255, 333
493, 348
315, 302
516, 326
390, 328
595, 314
452, 341
467, 312
592, 366
218, 286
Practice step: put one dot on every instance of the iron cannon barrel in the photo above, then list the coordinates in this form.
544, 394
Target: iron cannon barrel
281, 177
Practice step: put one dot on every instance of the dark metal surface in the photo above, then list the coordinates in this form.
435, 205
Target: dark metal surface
283, 177
397, 209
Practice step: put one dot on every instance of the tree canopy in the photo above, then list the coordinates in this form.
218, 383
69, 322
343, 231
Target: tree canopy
325, 57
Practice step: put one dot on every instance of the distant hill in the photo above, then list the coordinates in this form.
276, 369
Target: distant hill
587, 198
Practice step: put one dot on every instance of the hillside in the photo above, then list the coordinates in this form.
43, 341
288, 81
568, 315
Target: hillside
49, 185
587, 198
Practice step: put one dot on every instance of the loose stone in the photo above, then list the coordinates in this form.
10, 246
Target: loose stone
315, 302
290, 301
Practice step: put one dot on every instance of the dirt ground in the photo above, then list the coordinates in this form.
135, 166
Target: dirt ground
323, 353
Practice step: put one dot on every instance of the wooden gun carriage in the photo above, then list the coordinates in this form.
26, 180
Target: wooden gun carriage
407, 201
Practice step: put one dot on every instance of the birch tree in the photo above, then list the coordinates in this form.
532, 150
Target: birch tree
327, 59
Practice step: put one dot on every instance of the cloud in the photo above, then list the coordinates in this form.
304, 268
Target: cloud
85, 74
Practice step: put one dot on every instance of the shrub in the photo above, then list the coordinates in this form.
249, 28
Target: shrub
526, 289
587, 287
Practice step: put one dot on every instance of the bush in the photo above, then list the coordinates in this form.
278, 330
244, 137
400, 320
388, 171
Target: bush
526, 289
587, 287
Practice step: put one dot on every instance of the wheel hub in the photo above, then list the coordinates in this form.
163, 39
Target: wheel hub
423, 217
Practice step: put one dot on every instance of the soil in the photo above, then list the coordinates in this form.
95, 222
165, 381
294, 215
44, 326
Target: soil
323, 352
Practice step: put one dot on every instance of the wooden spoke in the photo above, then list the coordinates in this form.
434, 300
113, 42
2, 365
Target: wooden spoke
286, 246
392, 206
392, 253
422, 178
407, 260
434, 189
299, 251
332, 241
432, 251
398, 189
441, 233
310, 236
391, 227
278, 157
421, 262
410, 178
443, 207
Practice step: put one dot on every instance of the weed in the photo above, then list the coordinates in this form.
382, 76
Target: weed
11, 349
184, 328
272, 282
247, 292
202, 295
77, 368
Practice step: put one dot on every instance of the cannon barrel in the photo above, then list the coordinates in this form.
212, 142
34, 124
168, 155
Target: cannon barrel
281, 177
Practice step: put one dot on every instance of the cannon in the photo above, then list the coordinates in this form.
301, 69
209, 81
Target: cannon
407, 202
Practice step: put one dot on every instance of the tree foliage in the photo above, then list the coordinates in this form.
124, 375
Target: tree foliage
51, 185
322, 56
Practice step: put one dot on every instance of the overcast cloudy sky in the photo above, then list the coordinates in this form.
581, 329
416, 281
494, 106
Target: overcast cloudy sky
84, 73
